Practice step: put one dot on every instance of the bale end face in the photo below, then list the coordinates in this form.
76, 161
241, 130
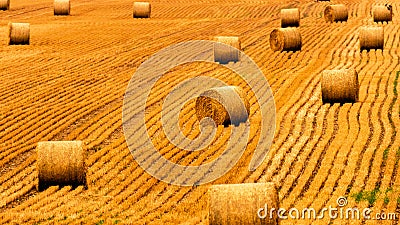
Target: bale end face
339, 86
290, 17
61, 163
4, 4
224, 54
18, 33
285, 39
62, 7
243, 204
141, 10
225, 105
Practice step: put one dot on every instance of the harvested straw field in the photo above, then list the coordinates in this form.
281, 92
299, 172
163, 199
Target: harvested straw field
69, 84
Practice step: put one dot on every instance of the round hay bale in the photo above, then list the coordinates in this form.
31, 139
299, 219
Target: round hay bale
285, 39
141, 10
371, 38
339, 86
382, 13
217, 102
224, 54
243, 204
18, 33
61, 163
290, 17
62, 7
4, 4
336, 13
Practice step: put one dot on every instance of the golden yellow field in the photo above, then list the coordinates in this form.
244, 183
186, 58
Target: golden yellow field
69, 84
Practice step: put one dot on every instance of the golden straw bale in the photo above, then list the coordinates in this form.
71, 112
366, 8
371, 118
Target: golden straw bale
217, 102
224, 54
371, 37
243, 204
4, 4
290, 17
285, 39
382, 13
336, 13
62, 7
18, 33
339, 86
141, 10
61, 163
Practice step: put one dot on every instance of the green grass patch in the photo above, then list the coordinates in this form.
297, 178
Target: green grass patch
358, 196
370, 196
385, 154
386, 200
100, 222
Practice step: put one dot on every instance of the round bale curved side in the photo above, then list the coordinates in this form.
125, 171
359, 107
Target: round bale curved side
4, 4
243, 204
339, 86
336, 13
371, 37
18, 33
382, 13
290, 17
141, 10
62, 7
285, 39
225, 54
216, 103
61, 163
